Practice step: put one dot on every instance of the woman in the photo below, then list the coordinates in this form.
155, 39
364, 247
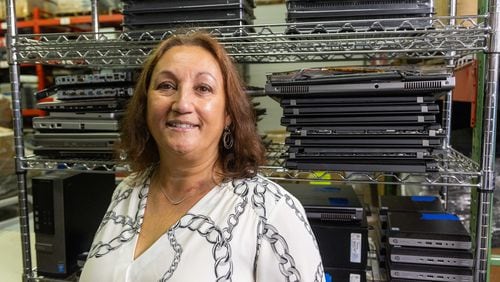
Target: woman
194, 209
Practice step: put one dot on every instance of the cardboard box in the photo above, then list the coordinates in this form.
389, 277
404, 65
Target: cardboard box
24, 8
69, 7
5, 112
7, 153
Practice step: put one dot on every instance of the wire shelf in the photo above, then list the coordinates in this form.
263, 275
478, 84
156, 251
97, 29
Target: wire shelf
269, 43
40, 163
455, 170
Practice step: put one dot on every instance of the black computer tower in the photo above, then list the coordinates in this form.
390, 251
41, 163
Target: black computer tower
342, 245
68, 208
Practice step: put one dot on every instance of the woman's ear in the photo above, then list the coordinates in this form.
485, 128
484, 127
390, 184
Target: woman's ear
227, 121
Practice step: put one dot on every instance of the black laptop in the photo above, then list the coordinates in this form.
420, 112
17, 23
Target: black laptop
361, 110
329, 81
364, 165
358, 120
431, 130
359, 153
354, 101
363, 141
87, 105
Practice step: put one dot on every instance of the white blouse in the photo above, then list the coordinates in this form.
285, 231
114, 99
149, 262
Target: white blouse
242, 230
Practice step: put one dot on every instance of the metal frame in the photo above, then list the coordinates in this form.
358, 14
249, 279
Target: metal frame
263, 44
485, 193
268, 44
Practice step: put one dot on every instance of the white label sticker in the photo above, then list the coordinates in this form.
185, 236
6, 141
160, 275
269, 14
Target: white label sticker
64, 21
354, 277
356, 247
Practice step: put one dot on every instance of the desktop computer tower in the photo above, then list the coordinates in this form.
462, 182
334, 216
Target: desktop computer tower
68, 207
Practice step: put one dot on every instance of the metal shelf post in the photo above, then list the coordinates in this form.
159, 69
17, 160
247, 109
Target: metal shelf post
485, 193
18, 140
441, 41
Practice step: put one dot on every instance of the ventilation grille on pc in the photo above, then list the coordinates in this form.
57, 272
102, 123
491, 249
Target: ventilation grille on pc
336, 217
361, 4
419, 85
294, 89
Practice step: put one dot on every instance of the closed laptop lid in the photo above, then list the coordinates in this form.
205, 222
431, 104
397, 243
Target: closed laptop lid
333, 75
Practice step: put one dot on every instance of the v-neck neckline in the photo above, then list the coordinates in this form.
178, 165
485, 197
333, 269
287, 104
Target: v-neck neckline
191, 210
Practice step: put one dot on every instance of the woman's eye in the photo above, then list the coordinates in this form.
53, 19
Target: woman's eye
165, 86
204, 89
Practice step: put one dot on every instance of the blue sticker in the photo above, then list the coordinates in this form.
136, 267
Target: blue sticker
328, 277
61, 268
439, 216
342, 202
423, 198
328, 189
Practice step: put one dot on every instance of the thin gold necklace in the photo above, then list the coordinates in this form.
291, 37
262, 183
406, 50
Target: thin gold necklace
175, 203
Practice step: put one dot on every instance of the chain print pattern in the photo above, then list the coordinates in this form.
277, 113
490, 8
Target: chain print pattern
100, 249
177, 257
221, 250
320, 273
260, 235
123, 220
256, 195
280, 249
273, 190
234, 219
121, 196
117, 197
289, 201
240, 189
258, 200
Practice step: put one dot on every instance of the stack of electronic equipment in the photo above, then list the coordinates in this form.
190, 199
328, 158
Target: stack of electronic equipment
422, 242
84, 121
150, 15
361, 119
338, 221
319, 16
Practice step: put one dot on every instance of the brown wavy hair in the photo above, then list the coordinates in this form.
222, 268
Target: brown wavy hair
247, 153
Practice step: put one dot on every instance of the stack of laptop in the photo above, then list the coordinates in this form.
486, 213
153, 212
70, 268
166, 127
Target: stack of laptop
339, 224
348, 15
425, 245
228, 15
345, 119
84, 120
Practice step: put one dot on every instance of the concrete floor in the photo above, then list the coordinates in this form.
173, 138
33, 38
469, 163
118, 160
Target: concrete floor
11, 268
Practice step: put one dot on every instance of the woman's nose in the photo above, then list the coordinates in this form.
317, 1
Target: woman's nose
183, 100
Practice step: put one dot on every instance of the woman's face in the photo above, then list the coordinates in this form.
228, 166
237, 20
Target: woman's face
186, 102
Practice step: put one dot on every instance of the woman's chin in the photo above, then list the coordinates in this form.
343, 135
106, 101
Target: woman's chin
182, 149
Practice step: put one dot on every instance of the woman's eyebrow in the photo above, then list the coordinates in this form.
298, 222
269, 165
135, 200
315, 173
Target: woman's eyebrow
206, 73
165, 73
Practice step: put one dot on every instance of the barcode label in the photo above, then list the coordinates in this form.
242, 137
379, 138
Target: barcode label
356, 247
354, 278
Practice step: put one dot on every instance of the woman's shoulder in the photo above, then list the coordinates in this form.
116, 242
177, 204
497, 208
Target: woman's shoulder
264, 194
131, 181
128, 184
